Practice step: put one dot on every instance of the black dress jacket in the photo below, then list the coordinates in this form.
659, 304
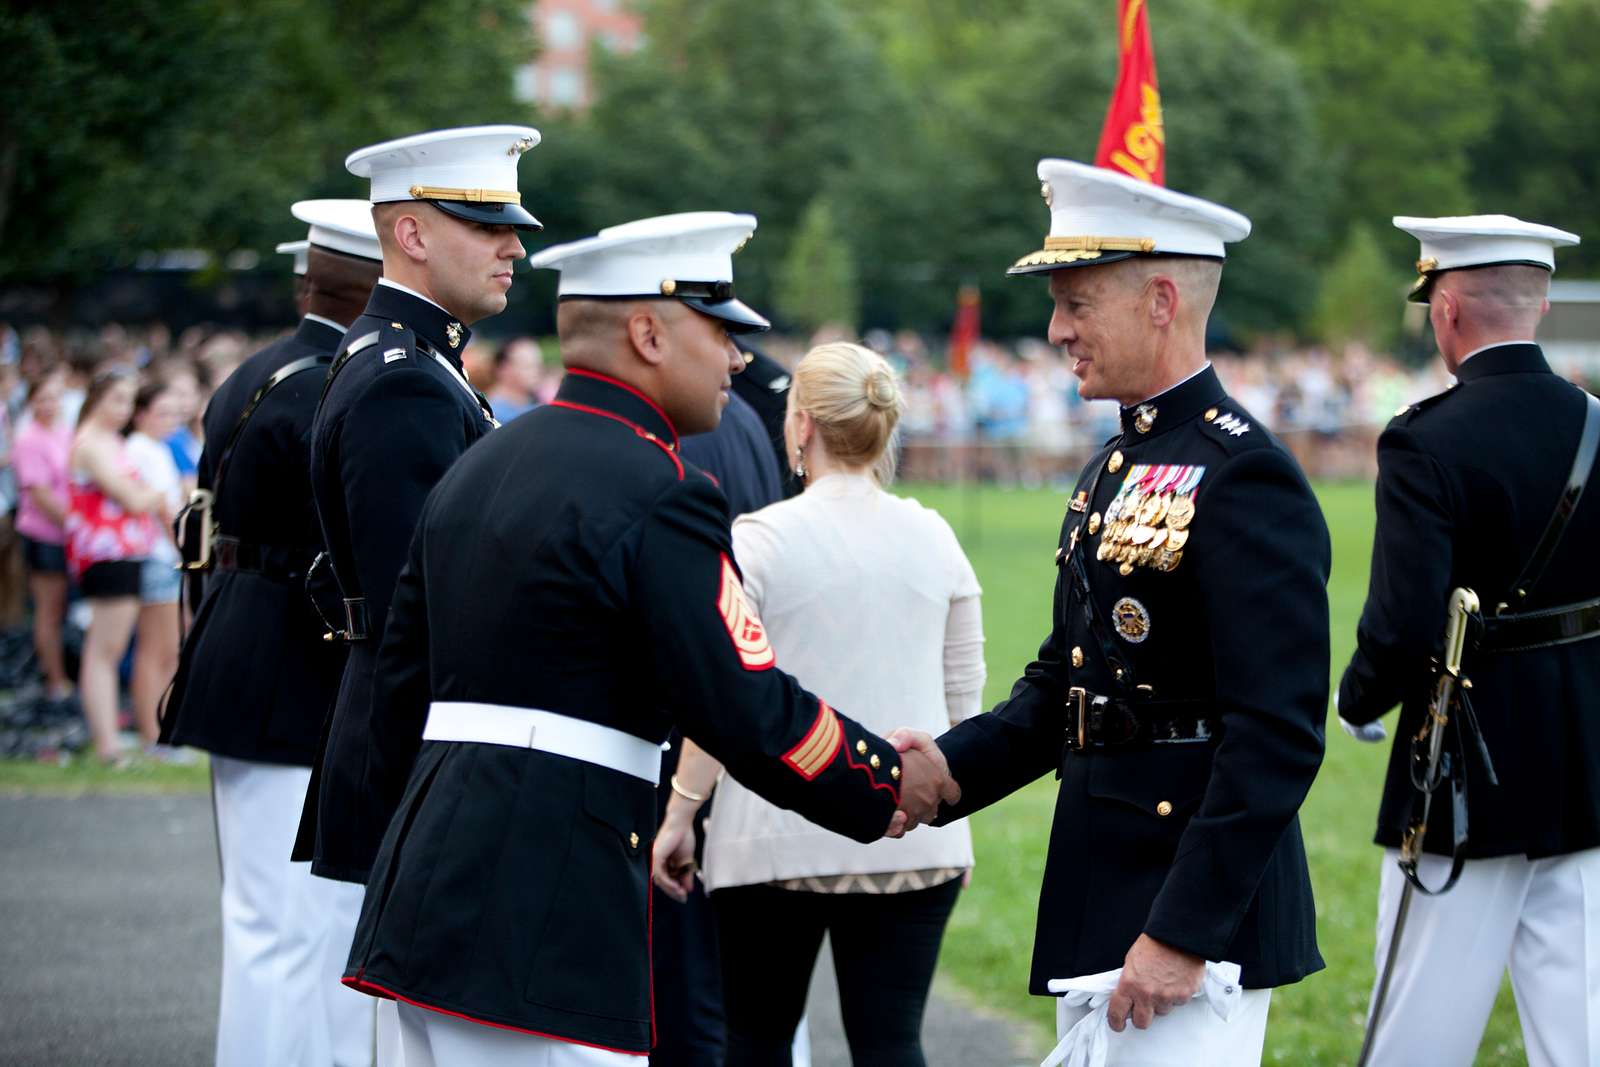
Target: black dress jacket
255, 679
1195, 843
1467, 481
573, 563
394, 418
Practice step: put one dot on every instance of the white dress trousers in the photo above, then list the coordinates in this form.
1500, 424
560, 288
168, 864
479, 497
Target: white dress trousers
1190, 1035
434, 1039
285, 933
1539, 917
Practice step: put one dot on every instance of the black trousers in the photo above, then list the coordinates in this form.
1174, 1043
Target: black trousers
885, 947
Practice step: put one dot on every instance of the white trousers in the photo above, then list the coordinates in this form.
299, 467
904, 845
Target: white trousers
434, 1039
285, 933
1190, 1035
1540, 917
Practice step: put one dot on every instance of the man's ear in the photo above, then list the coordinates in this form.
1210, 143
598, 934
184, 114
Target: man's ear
411, 237
647, 335
1165, 298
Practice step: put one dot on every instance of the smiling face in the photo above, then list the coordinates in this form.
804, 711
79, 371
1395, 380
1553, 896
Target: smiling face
468, 264
1098, 321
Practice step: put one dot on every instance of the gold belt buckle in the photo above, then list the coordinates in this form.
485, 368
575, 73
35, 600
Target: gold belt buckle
1081, 695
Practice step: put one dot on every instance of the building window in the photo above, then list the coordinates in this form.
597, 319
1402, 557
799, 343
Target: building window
566, 87
562, 30
525, 83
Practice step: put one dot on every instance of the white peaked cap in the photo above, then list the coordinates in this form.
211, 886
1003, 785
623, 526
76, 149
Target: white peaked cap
688, 256
340, 226
298, 250
1101, 216
470, 171
1460, 241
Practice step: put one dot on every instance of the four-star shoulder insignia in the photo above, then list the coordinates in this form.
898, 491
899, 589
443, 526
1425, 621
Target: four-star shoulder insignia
1232, 423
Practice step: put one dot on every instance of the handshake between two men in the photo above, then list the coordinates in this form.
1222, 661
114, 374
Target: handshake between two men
925, 781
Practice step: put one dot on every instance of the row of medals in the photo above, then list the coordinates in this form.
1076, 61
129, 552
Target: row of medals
1145, 529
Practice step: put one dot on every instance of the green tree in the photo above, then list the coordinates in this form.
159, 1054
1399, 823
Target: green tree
1403, 98
746, 107
1540, 162
818, 278
1001, 87
193, 123
1360, 297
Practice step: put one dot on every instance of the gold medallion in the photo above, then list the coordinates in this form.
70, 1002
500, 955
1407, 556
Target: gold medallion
1125, 570
1153, 510
1180, 512
1176, 539
1142, 534
1159, 538
1103, 553
1114, 464
1131, 619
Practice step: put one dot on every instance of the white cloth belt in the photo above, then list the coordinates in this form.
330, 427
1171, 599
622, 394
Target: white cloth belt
546, 731
1085, 1044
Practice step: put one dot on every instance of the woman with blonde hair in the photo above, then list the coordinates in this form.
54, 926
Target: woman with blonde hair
868, 598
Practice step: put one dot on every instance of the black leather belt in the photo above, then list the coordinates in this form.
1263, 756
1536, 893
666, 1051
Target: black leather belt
272, 561
1095, 721
1541, 629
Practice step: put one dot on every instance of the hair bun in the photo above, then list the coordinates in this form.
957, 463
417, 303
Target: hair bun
881, 391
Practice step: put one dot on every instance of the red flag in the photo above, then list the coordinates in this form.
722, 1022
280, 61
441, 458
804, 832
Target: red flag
964, 332
1133, 140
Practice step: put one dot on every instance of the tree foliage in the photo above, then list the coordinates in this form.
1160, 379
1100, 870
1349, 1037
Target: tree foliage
195, 123
818, 280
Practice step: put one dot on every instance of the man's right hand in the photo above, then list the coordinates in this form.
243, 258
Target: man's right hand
924, 780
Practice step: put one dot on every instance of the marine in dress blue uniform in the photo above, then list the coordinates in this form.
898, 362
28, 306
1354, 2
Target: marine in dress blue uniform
255, 678
1468, 482
569, 597
398, 410
1180, 694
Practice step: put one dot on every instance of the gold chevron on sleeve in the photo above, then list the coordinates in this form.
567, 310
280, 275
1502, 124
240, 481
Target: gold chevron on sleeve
818, 747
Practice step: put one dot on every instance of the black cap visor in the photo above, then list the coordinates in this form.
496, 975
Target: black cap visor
735, 315
490, 214
1422, 289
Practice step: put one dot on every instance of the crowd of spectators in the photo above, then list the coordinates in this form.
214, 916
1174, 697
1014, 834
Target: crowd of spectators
100, 434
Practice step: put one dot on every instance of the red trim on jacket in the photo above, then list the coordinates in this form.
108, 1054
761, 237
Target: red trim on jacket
872, 776
640, 430
597, 376
372, 989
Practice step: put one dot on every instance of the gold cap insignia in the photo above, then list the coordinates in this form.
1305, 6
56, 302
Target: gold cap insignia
519, 146
1044, 191
668, 287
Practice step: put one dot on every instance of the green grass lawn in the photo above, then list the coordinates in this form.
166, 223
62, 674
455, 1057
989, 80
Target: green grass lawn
1010, 536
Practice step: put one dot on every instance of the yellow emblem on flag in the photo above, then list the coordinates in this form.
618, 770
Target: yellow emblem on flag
744, 627
818, 747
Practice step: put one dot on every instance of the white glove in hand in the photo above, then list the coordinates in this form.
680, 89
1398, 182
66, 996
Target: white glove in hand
1369, 732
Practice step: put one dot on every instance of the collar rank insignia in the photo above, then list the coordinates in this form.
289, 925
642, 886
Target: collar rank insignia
1132, 620
452, 333
1233, 424
749, 637
1144, 417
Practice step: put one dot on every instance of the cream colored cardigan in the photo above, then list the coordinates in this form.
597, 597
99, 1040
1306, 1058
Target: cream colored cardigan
869, 601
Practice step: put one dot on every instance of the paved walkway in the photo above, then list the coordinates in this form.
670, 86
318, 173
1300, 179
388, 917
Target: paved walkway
109, 945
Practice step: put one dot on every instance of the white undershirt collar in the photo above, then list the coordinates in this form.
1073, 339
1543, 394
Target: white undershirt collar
341, 327
407, 289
